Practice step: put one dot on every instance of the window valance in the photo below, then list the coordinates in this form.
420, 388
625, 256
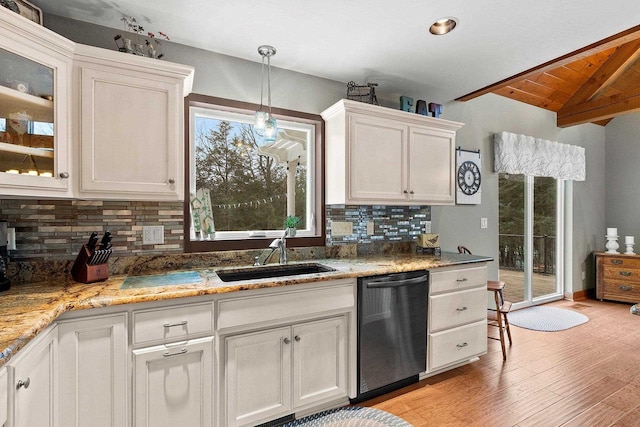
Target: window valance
521, 154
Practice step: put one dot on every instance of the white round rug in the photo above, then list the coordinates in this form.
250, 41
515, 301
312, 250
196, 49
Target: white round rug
351, 416
547, 319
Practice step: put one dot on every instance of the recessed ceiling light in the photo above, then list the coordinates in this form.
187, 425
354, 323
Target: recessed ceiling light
443, 26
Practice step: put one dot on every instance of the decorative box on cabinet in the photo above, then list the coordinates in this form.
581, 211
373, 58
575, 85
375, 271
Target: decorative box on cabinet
33, 376
38, 62
131, 112
457, 324
377, 155
617, 277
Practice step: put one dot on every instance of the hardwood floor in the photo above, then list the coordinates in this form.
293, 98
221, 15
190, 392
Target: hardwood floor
585, 376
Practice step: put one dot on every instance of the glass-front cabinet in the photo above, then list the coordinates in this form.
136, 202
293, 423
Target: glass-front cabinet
35, 71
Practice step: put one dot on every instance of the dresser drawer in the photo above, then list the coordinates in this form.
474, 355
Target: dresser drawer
457, 308
172, 323
621, 273
620, 261
458, 344
621, 290
457, 279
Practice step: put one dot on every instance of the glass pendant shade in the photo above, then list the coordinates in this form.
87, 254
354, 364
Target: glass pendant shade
261, 118
270, 130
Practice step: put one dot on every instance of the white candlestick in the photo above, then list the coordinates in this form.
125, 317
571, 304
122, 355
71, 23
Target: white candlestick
628, 239
612, 231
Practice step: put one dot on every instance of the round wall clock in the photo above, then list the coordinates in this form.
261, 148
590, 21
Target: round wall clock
469, 178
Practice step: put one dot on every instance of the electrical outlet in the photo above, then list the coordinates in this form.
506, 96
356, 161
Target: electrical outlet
483, 223
370, 229
341, 228
427, 227
152, 234
11, 236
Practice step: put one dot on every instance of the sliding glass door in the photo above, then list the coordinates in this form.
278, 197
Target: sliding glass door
530, 238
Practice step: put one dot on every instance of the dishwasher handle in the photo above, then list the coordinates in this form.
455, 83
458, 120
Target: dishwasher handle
396, 283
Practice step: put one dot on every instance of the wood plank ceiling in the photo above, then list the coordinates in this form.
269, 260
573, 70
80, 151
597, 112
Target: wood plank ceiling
591, 85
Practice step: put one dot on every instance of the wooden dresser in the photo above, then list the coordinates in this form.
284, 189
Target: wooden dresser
617, 277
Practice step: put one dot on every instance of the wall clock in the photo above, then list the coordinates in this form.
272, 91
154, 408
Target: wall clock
468, 177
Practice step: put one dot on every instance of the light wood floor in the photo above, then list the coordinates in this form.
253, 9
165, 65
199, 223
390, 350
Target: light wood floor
585, 376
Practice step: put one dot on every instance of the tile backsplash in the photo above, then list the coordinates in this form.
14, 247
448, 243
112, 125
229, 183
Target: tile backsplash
388, 223
55, 230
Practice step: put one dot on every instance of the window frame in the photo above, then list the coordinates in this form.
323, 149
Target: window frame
205, 101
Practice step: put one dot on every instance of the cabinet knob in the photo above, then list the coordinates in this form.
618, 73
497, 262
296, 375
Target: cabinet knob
172, 181
64, 175
411, 192
297, 338
405, 191
287, 340
24, 383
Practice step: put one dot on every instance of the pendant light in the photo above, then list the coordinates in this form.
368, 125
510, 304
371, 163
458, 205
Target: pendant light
264, 120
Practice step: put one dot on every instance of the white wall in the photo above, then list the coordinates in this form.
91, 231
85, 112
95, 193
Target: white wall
489, 114
233, 78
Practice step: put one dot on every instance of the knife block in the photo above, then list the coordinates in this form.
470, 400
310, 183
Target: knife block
82, 272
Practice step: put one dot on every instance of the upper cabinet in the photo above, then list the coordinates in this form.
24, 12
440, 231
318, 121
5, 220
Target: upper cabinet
83, 122
378, 156
35, 119
131, 115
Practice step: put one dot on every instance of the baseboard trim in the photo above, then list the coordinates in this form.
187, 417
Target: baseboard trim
576, 296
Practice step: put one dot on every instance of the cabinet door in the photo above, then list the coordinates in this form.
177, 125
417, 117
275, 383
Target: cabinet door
319, 361
4, 397
131, 133
34, 381
93, 372
431, 166
258, 377
34, 108
377, 166
173, 385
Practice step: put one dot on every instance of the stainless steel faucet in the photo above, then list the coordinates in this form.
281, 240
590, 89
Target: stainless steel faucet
279, 243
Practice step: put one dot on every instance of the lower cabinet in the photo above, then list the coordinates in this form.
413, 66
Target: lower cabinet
273, 373
93, 371
173, 384
4, 398
32, 379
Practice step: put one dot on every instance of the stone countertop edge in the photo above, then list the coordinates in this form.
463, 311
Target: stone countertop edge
28, 308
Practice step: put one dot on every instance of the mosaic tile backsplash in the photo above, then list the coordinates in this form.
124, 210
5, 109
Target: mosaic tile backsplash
389, 223
54, 230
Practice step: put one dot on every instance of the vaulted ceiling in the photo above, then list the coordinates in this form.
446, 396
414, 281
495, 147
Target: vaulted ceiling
591, 85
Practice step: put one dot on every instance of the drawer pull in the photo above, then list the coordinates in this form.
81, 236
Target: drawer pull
625, 288
24, 383
464, 279
464, 344
169, 354
461, 309
616, 261
625, 273
171, 325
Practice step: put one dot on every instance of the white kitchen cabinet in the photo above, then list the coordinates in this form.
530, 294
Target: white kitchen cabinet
131, 131
457, 316
35, 101
295, 366
33, 375
92, 371
4, 396
173, 384
378, 156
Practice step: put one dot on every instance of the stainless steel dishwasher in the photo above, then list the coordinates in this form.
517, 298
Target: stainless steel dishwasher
392, 331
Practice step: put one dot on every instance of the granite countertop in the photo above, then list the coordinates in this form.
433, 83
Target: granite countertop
28, 308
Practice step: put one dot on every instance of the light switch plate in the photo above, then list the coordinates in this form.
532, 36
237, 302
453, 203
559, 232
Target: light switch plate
427, 227
483, 223
152, 234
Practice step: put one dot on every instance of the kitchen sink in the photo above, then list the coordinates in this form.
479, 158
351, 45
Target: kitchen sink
271, 271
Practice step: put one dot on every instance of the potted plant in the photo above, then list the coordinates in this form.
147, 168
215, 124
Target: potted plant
290, 225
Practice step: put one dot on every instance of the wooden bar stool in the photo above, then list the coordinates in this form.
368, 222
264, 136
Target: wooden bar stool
498, 317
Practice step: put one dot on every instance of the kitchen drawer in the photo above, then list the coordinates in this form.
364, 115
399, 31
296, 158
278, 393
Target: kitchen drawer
620, 290
4, 402
456, 345
457, 279
457, 308
621, 273
172, 323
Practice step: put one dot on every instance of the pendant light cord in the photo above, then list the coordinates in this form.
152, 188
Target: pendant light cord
262, 85
269, 82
